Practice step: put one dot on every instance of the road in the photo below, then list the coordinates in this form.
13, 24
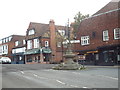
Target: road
42, 76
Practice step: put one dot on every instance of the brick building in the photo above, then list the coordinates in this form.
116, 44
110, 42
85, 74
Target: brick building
18, 50
99, 36
7, 44
41, 43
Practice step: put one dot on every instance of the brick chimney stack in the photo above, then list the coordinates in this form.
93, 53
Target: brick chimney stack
53, 39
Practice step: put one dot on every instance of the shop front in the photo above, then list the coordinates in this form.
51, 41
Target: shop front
105, 55
109, 55
18, 58
37, 55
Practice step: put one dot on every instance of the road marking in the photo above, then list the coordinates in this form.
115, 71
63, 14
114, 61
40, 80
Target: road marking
73, 86
60, 81
22, 72
40, 76
76, 73
108, 77
35, 75
85, 87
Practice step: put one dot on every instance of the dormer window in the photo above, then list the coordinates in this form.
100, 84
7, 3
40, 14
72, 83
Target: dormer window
10, 38
31, 32
62, 32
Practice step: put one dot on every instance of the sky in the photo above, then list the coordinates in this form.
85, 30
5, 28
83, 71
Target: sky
15, 15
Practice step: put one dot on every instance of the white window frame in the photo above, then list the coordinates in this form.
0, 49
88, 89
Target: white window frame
62, 32
59, 44
24, 42
117, 33
0, 50
4, 40
36, 43
5, 49
46, 43
29, 44
1, 41
105, 35
31, 32
7, 40
85, 40
16, 43
10, 38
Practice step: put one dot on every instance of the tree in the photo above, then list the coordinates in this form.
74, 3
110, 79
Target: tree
77, 20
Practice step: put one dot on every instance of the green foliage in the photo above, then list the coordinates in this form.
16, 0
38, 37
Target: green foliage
77, 19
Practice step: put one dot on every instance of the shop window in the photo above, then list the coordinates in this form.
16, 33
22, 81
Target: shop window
117, 33
118, 57
105, 35
97, 56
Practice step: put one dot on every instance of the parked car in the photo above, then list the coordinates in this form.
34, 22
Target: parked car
5, 60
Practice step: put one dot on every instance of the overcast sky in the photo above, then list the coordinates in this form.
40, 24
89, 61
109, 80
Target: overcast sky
15, 15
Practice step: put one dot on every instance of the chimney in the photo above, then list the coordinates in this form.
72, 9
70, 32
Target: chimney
52, 39
51, 21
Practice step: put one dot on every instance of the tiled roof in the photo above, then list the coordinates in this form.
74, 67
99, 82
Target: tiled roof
20, 40
110, 6
39, 28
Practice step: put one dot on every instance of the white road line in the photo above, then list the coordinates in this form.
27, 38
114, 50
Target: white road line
60, 82
35, 75
22, 72
73, 86
40, 76
109, 77
85, 87
76, 73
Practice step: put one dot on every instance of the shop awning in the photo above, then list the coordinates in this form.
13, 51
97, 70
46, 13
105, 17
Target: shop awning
15, 54
37, 51
32, 51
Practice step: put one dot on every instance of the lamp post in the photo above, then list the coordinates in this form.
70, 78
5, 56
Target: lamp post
40, 48
41, 55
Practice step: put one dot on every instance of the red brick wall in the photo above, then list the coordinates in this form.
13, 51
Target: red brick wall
52, 39
43, 41
97, 24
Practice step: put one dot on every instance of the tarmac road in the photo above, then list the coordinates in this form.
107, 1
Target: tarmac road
42, 76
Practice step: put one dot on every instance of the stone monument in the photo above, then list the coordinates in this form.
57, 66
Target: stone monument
68, 64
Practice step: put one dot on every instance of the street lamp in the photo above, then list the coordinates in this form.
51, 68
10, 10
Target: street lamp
40, 48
